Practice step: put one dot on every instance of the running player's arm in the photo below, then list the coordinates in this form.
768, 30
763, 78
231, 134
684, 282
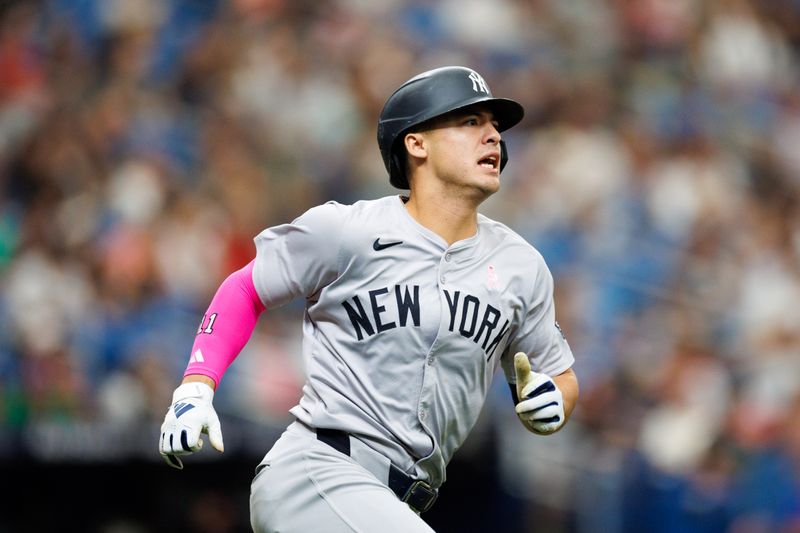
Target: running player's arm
291, 260
225, 329
544, 385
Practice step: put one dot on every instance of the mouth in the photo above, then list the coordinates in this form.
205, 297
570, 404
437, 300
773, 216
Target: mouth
490, 161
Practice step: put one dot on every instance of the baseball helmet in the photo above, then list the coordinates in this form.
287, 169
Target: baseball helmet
432, 94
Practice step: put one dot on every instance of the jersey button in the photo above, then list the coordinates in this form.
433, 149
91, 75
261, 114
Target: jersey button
448, 257
430, 361
443, 279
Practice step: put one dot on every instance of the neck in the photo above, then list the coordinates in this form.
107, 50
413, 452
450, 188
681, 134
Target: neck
451, 217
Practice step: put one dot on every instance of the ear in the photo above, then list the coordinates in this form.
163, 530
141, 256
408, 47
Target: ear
416, 145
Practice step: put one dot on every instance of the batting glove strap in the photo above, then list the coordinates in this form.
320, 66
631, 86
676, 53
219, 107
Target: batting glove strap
195, 390
190, 414
542, 407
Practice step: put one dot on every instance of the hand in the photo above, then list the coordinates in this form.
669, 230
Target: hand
190, 414
541, 406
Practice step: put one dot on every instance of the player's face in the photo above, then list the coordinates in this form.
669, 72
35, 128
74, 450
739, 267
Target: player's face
464, 150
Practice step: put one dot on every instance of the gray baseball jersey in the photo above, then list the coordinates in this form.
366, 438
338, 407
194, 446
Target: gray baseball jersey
403, 333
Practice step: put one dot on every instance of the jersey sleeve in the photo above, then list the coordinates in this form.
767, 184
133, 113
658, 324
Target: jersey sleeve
298, 259
538, 334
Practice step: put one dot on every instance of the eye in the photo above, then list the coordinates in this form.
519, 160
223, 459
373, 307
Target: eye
471, 121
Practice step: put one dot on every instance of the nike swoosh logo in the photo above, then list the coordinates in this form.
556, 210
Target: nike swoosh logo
378, 245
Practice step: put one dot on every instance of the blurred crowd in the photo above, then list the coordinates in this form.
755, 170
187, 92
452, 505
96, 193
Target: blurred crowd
144, 143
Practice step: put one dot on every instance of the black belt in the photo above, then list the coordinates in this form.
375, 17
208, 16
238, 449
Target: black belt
416, 493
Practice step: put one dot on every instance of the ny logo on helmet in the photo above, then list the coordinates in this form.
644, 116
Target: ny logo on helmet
477, 83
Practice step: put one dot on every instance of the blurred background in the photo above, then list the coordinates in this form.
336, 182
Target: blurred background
144, 143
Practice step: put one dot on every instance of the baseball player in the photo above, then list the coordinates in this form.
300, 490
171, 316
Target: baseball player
412, 302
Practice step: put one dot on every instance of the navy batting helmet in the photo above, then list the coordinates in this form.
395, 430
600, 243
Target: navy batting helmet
429, 95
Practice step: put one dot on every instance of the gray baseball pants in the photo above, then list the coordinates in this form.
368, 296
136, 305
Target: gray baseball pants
304, 485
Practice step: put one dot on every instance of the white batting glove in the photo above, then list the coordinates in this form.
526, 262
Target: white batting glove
190, 414
541, 406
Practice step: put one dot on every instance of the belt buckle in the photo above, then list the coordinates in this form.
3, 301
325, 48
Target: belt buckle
420, 496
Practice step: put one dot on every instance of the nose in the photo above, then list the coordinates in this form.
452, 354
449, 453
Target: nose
492, 135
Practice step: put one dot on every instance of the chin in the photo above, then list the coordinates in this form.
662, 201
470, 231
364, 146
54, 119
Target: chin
482, 191
489, 184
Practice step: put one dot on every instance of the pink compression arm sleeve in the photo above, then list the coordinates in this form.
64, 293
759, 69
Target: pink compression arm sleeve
226, 326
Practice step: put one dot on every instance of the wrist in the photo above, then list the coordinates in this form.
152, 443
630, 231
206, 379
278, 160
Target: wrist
193, 389
200, 378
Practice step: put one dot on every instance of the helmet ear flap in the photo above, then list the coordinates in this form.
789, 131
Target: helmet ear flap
503, 155
397, 171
